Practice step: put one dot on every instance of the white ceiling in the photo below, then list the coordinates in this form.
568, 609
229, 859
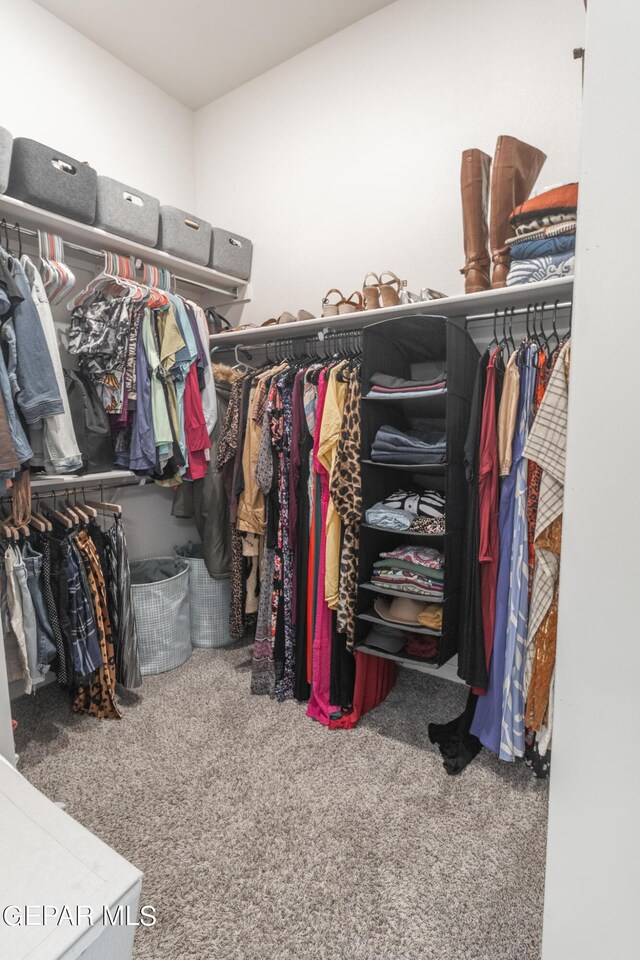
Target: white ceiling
197, 50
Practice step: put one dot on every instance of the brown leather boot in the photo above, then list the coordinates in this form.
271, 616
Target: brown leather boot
516, 166
474, 185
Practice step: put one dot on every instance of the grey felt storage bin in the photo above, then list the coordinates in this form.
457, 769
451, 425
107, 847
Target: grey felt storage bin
160, 597
128, 212
231, 253
209, 601
6, 144
50, 179
183, 235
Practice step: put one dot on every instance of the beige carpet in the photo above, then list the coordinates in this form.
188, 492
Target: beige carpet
263, 836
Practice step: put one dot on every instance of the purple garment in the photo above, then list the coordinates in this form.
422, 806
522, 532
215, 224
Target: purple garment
487, 721
143, 440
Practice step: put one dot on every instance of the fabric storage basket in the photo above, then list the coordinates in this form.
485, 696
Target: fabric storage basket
183, 235
160, 595
50, 179
6, 144
231, 253
209, 600
128, 212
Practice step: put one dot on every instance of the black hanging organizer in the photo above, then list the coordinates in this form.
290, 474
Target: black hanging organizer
410, 347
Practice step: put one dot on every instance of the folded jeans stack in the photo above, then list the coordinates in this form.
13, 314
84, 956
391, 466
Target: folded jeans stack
422, 512
545, 236
422, 443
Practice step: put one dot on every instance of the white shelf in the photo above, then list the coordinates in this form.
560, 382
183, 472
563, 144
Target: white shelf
462, 306
15, 211
113, 478
448, 670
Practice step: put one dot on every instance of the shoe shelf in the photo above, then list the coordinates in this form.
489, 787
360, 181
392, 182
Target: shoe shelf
460, 307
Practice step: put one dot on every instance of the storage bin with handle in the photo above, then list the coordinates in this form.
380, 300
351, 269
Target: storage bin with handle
160, 597
184, 235
6, 145
209, 601
231, 253
127, 211
50, 179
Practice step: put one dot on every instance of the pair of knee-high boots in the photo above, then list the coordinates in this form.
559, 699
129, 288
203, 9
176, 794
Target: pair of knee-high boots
515, 169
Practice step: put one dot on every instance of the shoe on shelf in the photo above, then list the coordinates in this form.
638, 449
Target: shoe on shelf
371, 291
305, 315
329, 308
352, 304
390, 289
515, 169
474, 188
425, 294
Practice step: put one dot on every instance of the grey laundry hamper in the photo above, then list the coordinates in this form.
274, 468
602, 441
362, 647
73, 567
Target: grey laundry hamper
160, 595
128, 212
209, 601
6, 146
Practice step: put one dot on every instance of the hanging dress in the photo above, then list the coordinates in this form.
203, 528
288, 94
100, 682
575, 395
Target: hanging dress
513, 704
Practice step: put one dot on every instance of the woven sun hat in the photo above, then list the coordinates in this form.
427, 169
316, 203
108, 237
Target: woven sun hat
403, 610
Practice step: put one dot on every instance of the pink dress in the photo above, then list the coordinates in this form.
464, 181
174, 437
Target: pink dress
319, 707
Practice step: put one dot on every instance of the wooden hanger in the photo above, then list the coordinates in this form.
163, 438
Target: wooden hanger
40, 517
105, 507
60, 517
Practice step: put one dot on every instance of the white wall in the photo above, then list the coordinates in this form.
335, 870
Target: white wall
347, 157
63, 90
592, 888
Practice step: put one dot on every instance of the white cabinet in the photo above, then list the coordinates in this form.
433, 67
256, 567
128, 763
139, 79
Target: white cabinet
50, 860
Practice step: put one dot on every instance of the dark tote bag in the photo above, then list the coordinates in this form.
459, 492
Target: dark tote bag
90, 422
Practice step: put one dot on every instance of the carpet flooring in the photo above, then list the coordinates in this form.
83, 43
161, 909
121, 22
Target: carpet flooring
263, 836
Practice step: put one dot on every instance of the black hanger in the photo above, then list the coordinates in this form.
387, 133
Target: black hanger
19, 231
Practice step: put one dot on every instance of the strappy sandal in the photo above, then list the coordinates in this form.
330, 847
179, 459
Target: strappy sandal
389, 296
352, 304
331, 309
371, 291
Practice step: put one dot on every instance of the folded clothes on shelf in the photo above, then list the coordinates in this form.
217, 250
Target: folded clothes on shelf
544, 244
540, 268
561, 201
408, 581
417, 645
405, 510
526, 249
388, 387
416, 556
420, 443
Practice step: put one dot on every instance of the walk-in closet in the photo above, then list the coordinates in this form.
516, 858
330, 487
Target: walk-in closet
317, 363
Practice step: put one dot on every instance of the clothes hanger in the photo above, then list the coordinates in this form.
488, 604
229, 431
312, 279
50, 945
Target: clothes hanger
62, 518
90, 511
41, 518
10, 525
101, 507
